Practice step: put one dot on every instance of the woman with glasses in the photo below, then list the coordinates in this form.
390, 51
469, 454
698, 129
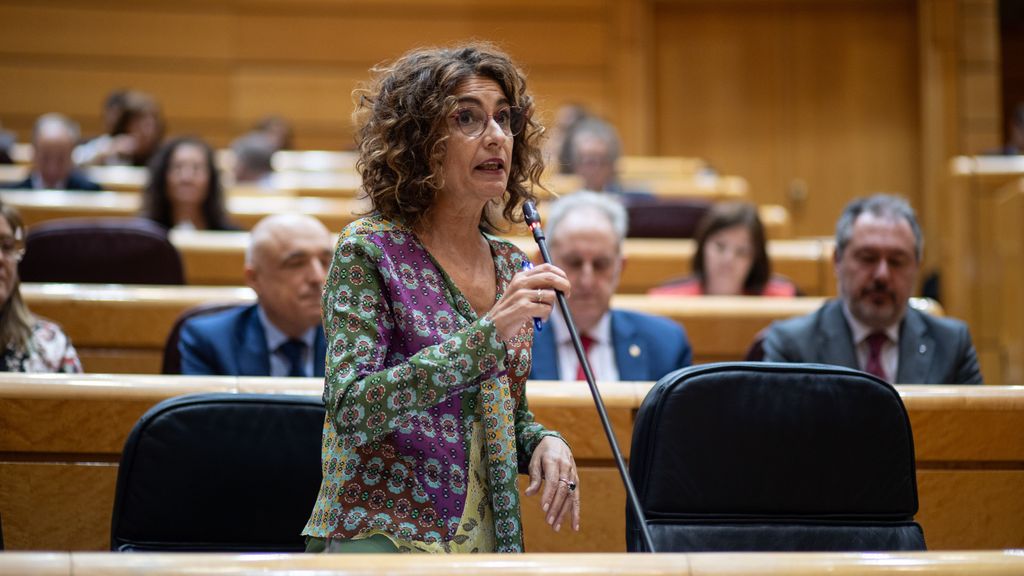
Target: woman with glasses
429, 320
29, 343
731, 258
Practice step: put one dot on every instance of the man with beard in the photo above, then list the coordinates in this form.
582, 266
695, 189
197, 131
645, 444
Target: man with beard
282, 334
871, 327
585, 232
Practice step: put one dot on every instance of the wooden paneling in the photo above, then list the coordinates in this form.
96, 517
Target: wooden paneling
814, 98
61, 437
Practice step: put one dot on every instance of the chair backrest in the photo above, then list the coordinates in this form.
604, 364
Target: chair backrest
219, 472
754, 456
653, 217
100, 250
172, 355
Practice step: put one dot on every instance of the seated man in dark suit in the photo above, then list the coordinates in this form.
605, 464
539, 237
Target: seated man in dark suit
282, 334
53, 141
585, 232
871, 327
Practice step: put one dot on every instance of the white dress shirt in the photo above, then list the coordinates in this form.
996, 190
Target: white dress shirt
601, 355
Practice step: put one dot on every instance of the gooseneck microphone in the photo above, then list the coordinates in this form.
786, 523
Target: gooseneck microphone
533, 221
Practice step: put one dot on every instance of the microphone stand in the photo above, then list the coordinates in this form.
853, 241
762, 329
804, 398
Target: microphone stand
533, 221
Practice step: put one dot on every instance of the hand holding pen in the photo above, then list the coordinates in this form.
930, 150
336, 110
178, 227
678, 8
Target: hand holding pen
538, 324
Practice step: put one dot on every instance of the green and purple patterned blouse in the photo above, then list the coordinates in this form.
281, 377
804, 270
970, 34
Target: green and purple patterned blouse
410, 370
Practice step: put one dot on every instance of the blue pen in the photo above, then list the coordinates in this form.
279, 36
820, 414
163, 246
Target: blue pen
537, 324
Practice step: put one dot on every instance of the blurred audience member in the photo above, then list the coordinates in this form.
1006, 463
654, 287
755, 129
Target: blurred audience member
557, 149
184, 189
585, 231
594, 152
282, 334
871, 326
279, 130
7, 140
29, 343
133, 137
253, 152
53, 141
731, 258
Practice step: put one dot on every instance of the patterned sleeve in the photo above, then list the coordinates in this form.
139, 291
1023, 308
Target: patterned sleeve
529, 433
52, 350
371, 390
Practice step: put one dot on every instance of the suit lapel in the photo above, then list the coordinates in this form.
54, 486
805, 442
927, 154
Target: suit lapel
253, 356
917, 349
630, 355
545, 355
838, 348
319, 352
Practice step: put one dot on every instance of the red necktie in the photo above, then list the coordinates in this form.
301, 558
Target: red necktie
874, 366
587, 342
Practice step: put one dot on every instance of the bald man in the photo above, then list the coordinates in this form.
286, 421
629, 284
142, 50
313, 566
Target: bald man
282, 334
53, 139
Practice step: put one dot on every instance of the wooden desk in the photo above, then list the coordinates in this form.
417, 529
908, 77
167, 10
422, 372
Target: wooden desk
40, 205
61, 438
990, 563
122, 329
217, 259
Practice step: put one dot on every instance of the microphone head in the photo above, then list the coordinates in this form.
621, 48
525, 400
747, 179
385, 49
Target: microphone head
530, 213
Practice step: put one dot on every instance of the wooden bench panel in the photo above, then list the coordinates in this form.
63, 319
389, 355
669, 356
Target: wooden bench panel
971, 496
138, 318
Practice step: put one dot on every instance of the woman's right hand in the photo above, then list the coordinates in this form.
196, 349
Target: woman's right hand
530, 294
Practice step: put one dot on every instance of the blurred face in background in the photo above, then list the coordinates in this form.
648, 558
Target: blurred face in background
11, 249
728, 256
188, 176
877, 270
52, 155
592, 162
585, 246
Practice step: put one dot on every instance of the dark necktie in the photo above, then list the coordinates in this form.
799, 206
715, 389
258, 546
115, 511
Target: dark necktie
292, 350
587, 342
874, 366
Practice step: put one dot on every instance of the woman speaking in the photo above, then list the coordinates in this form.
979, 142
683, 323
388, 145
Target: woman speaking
429, 323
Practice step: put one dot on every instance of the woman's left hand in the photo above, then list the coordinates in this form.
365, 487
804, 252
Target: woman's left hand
553, 464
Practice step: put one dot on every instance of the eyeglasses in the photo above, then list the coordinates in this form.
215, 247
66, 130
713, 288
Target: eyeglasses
472, 120
13, 247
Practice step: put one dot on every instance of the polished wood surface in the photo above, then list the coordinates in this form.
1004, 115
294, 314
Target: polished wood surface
41, 205
217, 259
61, 438
981, 258
109, 322
990, 563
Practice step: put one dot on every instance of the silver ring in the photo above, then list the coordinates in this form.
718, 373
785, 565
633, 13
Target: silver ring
568, 484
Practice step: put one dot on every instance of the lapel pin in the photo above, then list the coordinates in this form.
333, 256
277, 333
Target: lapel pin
922, 349
634, 351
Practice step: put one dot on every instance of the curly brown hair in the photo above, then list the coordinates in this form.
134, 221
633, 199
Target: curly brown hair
402, 118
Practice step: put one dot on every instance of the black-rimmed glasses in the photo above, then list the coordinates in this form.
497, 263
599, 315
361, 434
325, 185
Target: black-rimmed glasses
472, 120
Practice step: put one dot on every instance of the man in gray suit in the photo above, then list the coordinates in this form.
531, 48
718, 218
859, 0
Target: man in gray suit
871, 327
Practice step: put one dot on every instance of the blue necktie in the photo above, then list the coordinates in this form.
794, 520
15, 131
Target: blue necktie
292, 350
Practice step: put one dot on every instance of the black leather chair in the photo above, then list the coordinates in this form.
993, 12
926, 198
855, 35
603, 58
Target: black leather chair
653, 217
753, 456
220, 473
100, 250
172, 356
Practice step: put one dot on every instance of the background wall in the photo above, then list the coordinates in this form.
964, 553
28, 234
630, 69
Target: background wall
814, 102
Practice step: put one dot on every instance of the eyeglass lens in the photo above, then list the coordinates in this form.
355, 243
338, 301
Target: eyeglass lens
472, 120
